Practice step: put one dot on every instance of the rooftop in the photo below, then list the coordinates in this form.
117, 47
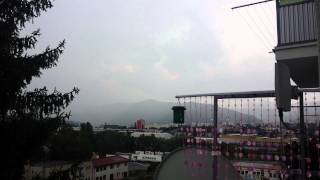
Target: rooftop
109, 161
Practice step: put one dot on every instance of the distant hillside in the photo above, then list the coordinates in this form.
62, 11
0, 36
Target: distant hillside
153, 112
127, 113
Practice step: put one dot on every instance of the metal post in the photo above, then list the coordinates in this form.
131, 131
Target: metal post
278, 22
215, 138
302, 137
318, 27
215, 123
281, 141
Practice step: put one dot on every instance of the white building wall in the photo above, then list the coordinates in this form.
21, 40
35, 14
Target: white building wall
119, 171
147, 156
157, 135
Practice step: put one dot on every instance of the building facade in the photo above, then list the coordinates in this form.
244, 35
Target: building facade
106, 168
140, 124
45, 169
147, 156
155, 134
259, 170
110, 168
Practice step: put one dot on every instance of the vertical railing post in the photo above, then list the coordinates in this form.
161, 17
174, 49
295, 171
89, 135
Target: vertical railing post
215, 123
318, 27
215, 138
302, 138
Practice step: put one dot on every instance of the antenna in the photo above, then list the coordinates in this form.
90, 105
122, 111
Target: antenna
251, 4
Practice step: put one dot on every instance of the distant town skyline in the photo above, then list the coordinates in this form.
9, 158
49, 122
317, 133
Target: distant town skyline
129, 51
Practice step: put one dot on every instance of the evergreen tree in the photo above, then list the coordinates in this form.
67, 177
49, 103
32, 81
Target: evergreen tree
27, 118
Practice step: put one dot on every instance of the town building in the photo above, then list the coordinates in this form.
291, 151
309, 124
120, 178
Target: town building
257, 170
106, 168
86, 170
110, 168
44, 169
159, 125
147, 156
137, 167
155, 134
140, 124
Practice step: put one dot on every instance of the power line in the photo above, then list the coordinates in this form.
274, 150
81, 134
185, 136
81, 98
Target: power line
266, 38
252, 29
253, 18
271, 15
265, 26
269, 20
259, 29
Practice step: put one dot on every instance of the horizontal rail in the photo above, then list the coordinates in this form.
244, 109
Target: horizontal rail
248, 94
309, 89
245, 94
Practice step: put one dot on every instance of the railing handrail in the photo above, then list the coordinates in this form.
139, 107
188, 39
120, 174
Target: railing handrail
296, 3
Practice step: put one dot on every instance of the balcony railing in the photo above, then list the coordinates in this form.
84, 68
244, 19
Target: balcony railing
297, 23
244, 128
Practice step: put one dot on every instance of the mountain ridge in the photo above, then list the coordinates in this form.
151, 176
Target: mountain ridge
152, 111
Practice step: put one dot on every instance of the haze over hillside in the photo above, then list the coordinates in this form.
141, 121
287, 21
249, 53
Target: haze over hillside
127, 113
153, 112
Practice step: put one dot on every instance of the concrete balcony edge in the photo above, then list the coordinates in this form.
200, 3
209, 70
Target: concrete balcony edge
296, 51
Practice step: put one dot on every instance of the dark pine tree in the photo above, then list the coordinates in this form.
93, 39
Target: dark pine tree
27, 118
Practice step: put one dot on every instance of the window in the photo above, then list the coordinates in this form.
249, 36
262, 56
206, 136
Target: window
125, 174
118, 165
104, 177
97, 178
97, 169
111, 166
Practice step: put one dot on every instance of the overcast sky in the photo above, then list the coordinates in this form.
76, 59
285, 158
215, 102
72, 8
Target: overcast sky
132, 50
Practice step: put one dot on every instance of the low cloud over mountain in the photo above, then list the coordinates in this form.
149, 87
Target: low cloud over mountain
154, 112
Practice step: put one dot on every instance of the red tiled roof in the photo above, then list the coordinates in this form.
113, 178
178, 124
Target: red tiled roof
109, 160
